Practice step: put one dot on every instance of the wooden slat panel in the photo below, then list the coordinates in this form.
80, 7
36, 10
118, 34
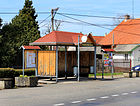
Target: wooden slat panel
40, 63
52, 63
46, 63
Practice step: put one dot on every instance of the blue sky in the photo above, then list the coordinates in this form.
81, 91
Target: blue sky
111, 8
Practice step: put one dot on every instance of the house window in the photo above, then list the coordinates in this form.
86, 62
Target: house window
126, 56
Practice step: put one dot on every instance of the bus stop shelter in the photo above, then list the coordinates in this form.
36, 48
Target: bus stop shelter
57, 39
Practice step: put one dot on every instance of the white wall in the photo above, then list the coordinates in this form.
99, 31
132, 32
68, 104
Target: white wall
135, 57
120, 56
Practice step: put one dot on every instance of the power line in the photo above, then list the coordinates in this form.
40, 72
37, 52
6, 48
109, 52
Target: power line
83, 15
44, 25
98, 25
44, 20
89, 15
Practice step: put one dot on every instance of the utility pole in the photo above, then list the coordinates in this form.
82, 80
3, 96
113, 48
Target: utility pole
113, 41
53, 12
133, 9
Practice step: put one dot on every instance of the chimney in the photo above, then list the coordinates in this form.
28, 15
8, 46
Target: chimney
126, 17
105, 34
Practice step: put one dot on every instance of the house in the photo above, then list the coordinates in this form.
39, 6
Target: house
129, 52
125, 40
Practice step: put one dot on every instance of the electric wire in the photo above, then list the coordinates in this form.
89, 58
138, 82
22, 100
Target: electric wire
44, 20
97, 25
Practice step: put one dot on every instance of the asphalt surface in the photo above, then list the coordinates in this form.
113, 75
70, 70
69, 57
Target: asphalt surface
119, 92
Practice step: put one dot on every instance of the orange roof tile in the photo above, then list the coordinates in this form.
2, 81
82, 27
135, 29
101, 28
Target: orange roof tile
59, 37
127, 32
98, 38
109, 50
31, 47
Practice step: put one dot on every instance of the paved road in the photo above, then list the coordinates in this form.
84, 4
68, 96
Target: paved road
120, 92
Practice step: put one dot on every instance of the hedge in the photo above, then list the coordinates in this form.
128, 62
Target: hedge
11, 73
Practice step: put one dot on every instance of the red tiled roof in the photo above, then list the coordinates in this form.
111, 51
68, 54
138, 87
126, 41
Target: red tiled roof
127, 32
59, 37
98, 38
109, 50
31, 47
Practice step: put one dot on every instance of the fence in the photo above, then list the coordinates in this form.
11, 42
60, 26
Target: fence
120, 65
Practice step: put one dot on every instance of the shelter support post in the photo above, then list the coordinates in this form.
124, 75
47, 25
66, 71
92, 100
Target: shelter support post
112, 70
102, 66
78, 78
56, 63
95, 61
50, 48
65, 62
23, 62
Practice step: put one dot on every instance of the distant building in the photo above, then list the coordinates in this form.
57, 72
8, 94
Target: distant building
125, 40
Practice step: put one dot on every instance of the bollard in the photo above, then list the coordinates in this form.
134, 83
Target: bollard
130, 74
137, 74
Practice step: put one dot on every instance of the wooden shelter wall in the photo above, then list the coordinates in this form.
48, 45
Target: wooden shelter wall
46, 63
86, 60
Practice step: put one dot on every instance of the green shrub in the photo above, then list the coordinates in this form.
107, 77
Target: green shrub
28, 72
11, 73
7, 73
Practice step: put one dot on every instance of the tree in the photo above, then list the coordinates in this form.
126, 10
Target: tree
21, 31
8, 48
57, 26
28, 26
0, 28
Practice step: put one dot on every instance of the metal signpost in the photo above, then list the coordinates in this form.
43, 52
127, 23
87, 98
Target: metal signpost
23, 63
78, 58
95, 61
65, 62
56, 63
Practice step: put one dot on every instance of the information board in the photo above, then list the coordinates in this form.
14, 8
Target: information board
31, 63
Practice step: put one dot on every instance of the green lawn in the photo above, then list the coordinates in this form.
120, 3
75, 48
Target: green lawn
105, 74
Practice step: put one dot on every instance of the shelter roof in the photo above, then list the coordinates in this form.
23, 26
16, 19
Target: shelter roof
127, 32
31, 47
61, 38
108, 50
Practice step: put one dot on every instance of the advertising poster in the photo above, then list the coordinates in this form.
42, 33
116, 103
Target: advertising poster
108, 59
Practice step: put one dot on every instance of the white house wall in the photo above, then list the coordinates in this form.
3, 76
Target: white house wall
135, 57
120, 56
119, 60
